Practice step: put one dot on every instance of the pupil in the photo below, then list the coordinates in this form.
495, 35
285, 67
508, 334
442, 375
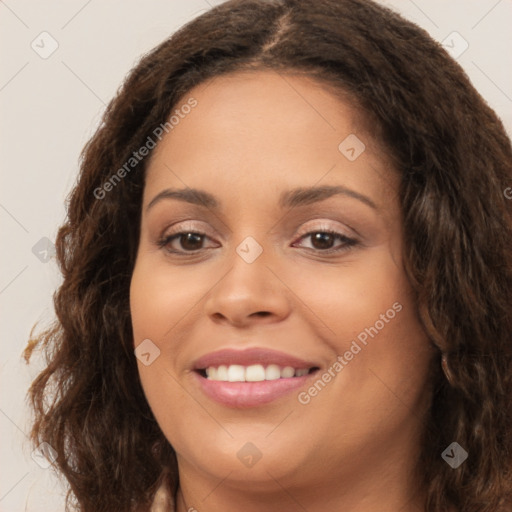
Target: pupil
189, 240
322, 240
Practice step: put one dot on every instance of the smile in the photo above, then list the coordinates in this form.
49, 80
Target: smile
253, 373
252, 377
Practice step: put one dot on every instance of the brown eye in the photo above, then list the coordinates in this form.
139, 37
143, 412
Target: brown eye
325, 240
322, 240
190, 241
182, 242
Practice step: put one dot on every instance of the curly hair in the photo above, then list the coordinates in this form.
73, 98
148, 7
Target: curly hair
455, 161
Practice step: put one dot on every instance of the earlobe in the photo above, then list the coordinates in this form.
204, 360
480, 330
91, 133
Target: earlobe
446, 370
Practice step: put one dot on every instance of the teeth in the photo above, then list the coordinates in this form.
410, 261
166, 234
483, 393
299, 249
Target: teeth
236, 373
272, 372
253, 373
222, 373
287, 372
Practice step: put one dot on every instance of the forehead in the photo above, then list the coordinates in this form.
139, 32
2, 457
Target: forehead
264, 130
260, 104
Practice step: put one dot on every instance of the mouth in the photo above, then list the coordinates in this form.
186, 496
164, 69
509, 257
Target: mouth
253, 373
252, 377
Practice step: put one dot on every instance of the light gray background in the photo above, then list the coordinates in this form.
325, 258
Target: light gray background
50, 107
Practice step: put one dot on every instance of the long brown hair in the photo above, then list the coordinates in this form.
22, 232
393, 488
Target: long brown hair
455, 162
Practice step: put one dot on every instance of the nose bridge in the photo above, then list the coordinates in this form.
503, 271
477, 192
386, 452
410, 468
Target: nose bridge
249, 286
250, 250
249, 278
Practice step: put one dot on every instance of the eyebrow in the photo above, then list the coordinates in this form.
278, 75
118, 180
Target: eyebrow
289, 199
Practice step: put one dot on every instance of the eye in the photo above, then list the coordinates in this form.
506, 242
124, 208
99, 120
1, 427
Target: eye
188, 241
324, 240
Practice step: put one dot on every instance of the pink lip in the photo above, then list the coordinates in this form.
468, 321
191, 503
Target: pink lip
250, 394
251, 356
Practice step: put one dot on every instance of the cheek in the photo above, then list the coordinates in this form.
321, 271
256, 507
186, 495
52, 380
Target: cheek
165, 303
364, 310
161, 301
161, 297
350, 296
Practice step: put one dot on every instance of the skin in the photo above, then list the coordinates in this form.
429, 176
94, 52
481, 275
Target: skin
354, 446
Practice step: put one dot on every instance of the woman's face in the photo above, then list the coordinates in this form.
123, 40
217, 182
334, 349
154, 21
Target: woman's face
282, 343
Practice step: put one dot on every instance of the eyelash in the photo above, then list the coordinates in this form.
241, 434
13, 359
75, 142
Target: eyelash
348, 243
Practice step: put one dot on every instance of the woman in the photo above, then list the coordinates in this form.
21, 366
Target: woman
287, 276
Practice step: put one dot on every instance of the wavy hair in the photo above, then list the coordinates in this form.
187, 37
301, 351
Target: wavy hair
455, 162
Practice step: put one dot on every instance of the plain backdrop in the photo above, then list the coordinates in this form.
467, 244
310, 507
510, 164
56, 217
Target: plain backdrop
51, 104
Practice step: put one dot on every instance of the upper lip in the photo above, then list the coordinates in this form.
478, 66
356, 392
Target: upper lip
250, 356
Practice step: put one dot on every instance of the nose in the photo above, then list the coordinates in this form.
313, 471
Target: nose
247, 294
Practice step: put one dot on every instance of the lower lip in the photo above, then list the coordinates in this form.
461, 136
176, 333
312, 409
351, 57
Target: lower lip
250, 394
